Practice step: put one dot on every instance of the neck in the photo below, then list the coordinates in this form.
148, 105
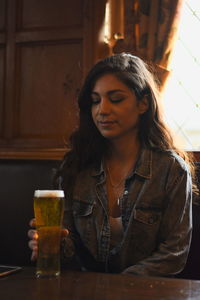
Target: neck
119, 162
123, 150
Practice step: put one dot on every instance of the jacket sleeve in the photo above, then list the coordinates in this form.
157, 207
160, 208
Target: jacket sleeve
175, 230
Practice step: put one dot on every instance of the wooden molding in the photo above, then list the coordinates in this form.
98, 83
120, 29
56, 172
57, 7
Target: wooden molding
47, 154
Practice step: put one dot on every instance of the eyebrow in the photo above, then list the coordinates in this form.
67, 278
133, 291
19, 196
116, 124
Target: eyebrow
111, 92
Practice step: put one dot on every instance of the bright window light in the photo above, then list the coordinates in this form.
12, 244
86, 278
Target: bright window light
181, 99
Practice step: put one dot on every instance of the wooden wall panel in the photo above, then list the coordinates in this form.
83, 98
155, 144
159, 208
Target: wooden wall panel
2, 89
49, 75
45, 14
46, 47
2, 15
2, 64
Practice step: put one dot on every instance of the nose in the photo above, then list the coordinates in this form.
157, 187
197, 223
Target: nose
104, 106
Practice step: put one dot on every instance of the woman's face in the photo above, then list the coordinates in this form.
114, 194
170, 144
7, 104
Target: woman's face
115, 109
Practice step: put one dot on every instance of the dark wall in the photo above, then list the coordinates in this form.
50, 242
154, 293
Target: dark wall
18, 180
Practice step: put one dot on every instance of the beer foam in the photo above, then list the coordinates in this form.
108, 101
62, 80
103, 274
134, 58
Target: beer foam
49, 193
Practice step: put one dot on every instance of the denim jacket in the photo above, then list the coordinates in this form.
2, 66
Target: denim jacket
156, 210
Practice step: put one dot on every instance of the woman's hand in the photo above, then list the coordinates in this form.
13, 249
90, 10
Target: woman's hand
33, 243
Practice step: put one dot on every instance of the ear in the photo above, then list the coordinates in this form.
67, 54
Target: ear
143, 105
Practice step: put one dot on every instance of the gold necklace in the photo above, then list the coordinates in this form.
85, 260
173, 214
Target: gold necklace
119, 184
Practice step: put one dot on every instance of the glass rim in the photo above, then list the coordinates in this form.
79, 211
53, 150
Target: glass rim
49, 193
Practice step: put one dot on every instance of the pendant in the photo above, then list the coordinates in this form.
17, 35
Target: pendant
118, 201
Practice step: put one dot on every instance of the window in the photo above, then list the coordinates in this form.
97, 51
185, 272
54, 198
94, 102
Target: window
182, 95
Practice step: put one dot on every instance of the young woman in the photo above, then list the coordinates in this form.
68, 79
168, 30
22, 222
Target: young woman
127, 186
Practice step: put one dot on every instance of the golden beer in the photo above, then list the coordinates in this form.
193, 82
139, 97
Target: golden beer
49, 210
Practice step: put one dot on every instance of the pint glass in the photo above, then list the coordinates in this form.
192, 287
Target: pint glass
49, 210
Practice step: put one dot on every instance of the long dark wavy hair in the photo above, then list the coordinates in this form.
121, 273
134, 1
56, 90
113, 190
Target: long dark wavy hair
87, 146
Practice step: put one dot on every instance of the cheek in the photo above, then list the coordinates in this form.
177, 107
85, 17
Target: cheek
131, 116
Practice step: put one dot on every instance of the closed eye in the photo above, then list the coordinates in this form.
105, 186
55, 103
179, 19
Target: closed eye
116, 100
114, 96
95, 100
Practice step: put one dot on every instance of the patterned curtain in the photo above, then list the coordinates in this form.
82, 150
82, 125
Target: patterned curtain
151, 30
155, 31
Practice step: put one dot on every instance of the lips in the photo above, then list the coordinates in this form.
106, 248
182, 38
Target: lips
106, 124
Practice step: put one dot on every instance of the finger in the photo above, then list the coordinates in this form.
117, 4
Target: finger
32, 234
33, 245
34, 255
32, 222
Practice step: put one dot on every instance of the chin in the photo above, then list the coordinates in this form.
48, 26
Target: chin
110, 136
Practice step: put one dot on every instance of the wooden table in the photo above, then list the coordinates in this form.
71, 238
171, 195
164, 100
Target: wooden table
85, 285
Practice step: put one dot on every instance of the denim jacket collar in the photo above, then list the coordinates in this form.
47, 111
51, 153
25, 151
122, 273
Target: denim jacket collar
143, 167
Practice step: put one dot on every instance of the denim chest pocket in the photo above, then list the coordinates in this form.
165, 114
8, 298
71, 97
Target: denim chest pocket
82, 209
148, 217
84, 220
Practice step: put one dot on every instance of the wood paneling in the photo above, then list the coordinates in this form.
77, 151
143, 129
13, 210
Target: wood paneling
2, 69
2, 15
45, 49
50, 74
51, 14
